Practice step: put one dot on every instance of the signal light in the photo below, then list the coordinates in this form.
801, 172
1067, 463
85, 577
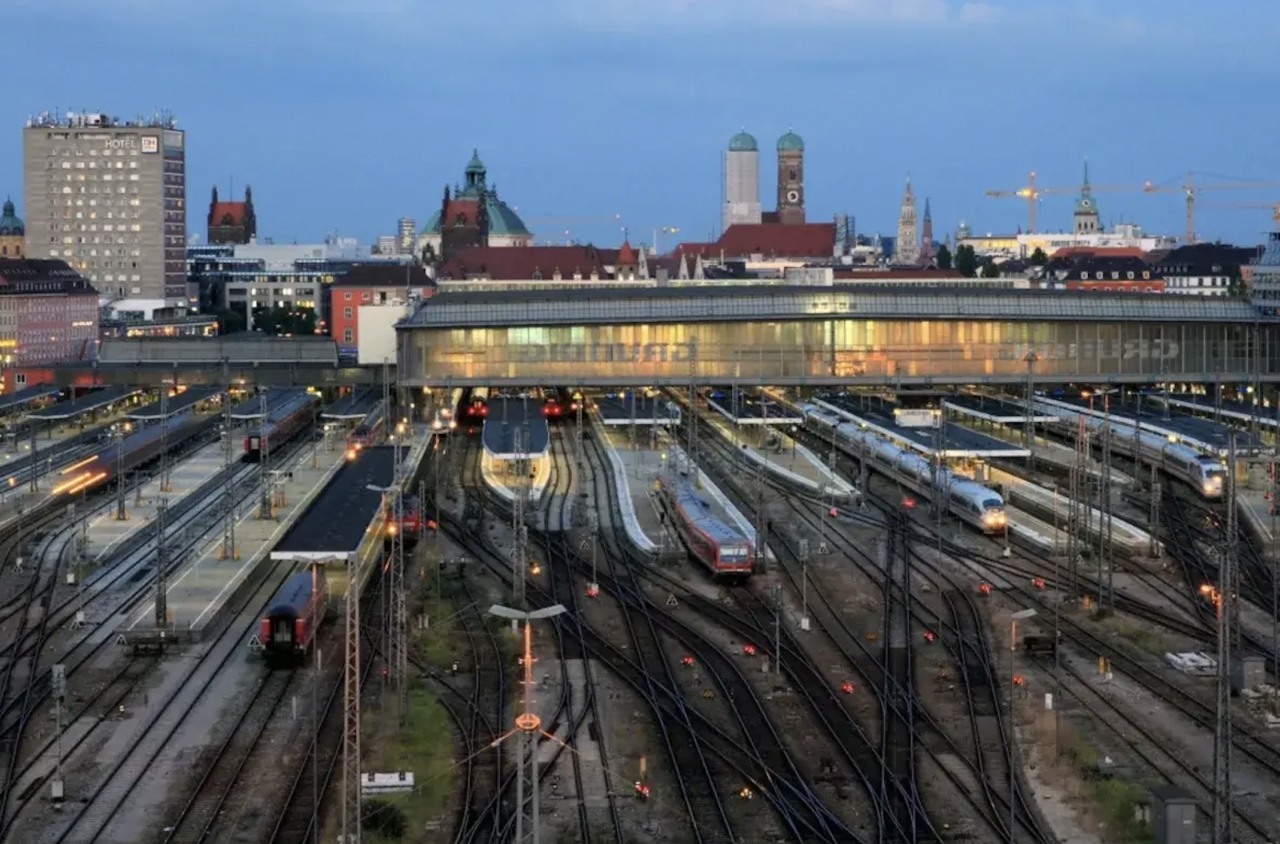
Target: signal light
432, 524
846, 687
985, 589
833, 512
930, 636
687, 661
749, 650
909, 503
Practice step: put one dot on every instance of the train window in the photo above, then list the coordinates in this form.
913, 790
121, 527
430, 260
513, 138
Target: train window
991, 503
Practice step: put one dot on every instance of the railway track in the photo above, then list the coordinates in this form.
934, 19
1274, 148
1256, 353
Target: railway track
685, 725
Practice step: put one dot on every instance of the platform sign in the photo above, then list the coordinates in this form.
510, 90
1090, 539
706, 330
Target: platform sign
916, 418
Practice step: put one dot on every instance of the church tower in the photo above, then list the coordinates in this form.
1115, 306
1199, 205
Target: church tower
741, 181
907, 249
791, 179
1086, 213
926, 234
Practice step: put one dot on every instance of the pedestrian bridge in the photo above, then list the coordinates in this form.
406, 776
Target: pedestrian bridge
782, 335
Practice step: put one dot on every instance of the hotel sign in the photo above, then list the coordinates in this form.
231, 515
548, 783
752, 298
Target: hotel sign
150, 145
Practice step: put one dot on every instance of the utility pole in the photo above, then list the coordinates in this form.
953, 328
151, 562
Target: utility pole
518, 527
162, 567
34, 485
1224, 602
165, 485
59, 690
399, 609
579, 454
265, 508
1153, 512
1106, 550
122, 515
351, 802
693, 421
1029, 423
1077, 539
631, 428
762, 517
228, 551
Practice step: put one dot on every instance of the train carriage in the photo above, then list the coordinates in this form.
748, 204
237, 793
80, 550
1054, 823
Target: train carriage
282, 424
724, 551
369, 431
289, 625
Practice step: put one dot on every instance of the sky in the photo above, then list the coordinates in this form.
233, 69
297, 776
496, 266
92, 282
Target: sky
345, 116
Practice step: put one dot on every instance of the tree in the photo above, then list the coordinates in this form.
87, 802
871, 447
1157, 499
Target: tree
1038, 258
943, 257
990, 270
383, 818
966, 261
230, 320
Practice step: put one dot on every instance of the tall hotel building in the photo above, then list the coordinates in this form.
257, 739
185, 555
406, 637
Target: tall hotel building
109, 197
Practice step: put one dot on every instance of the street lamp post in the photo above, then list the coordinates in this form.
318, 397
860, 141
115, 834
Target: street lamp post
1013, 731
528, 724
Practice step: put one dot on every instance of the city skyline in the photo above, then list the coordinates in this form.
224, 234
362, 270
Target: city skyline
580, 125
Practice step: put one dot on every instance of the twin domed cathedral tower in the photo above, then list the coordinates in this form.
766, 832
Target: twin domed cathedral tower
742, 182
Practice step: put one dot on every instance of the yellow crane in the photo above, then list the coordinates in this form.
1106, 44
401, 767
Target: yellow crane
1191, 190
1031, 193
1274, 209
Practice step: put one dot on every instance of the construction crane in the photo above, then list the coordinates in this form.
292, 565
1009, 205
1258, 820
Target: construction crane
1191, 190
1261, 206
1032, 193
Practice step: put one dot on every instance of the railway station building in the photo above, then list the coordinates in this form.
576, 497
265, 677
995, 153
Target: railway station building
781, 335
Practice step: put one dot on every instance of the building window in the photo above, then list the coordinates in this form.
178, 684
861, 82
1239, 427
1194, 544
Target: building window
346, 296
346, 313
348, 335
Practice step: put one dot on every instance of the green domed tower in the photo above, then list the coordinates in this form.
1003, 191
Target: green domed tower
791, 179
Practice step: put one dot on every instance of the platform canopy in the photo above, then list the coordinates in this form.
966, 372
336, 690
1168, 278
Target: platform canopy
88, 403
335, 524
515, 429
26, 396
180, 403
354, 406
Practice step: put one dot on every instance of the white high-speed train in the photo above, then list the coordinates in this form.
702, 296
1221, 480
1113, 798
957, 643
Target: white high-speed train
1207, 474
968, 500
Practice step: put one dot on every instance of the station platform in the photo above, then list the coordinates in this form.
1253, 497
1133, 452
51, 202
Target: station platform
1052, 508
86, 405
500, 476
1204, 434
180, 403
784, 458
1039, 534
515, 428
632, 409
1231, 411
634, 472
336, 522
201, 594
1254, 508
105, 533
751, 408
353, 407
957, 440
251, 408
994, 410
24, 398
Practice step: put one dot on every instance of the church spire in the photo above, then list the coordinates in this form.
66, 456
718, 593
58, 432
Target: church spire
907, 248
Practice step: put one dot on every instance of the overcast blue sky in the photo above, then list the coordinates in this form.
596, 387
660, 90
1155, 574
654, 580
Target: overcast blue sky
346, 115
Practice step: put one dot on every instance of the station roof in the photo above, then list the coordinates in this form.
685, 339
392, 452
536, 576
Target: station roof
232, 349
26, 396
993, 409
703, 302
957, 440
620, 409
1234, 410
251, 408
73, 408
356, 405
750, 410
511, 417
335, 523
177, 404
1205, 434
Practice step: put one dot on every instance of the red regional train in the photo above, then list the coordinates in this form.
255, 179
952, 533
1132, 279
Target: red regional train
411, 521
369, 431
282, 424
293, 617
723, 551
478, 404
138, 448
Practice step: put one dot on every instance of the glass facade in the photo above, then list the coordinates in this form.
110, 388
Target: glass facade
841, 351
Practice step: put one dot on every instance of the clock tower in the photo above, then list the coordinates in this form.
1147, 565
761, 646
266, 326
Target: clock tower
791, 179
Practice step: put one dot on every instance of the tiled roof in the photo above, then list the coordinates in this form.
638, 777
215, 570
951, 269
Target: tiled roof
528, 262
222, 210
1089, 251
29, 275
908, 274
503, 220
769, 240
626, 255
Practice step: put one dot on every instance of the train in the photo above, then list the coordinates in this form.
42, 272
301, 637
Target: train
1204, 473
369, 431
289, 626
410, 523
478, 404
283, 423
724, 551
967, 500
129, 453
